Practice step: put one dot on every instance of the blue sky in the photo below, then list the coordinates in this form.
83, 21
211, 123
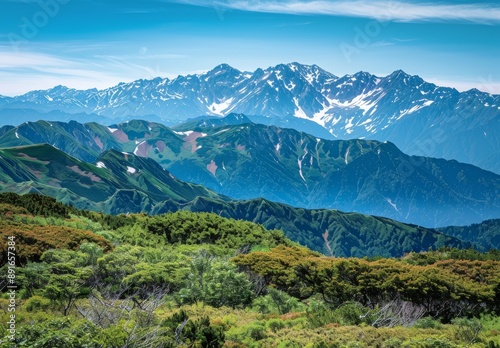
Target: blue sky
90, 43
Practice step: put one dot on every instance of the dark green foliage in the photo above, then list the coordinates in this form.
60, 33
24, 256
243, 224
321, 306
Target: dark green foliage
486, 234
33, 276
332, 232
57, 333
215, 283
38, 204
69, 280
201, 331
349, 313
194, 332
277, 301
176, 319
208, 228
36, 239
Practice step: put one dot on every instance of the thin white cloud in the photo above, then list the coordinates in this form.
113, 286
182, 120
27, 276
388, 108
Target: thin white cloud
142, 56
482, 84
384, 10
381, 44
21, 72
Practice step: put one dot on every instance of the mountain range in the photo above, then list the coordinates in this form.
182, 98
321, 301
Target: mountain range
123, 183
419, 117
242, 160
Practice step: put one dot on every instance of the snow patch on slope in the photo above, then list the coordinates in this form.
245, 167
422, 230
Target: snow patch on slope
136, 151
392, 204
219, 108
186, 133
299, 162
415, 108
299, 112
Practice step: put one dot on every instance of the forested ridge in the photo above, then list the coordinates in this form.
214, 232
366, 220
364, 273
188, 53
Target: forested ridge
188, 279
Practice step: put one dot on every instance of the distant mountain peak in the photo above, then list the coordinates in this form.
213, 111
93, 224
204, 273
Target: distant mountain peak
362, 74
237, 117
60, 88
223, 68
474, 91
398, 75
399, 72
295, 66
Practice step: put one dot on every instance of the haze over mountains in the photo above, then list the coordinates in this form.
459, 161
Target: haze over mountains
419, 117
242, 160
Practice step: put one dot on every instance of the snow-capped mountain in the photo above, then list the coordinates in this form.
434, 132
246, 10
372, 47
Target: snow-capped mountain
419, 117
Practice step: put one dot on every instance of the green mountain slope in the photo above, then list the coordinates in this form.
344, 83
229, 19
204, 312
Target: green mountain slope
119, 183
282, 165
333, 232
486, 234
83, 141
248, 161
122, 183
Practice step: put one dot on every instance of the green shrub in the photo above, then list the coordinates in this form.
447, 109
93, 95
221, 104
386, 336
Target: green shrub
350, 314
255, 331
429, 342
289, 344
467, 330
319, 314
354, 344
392, 343
57, 333
428, 323
490, 322
217, 283
277, 302
275, 325
36, 303
243, 335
